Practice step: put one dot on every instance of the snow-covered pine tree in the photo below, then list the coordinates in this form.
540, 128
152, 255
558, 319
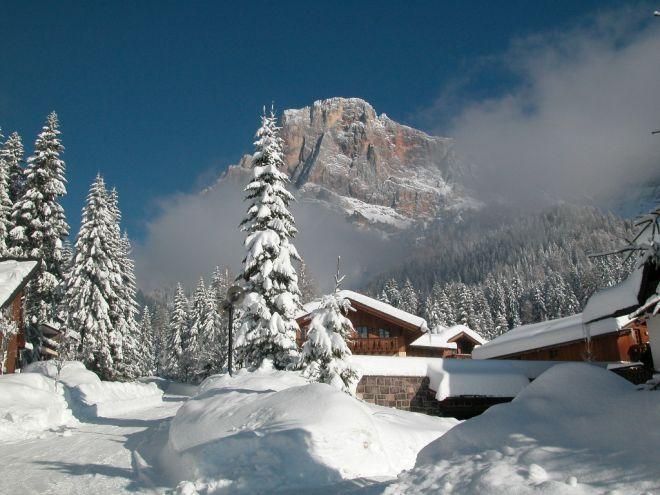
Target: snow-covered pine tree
178, 326
463, 304
191, 339
128, 310
91, 283
324, 356
306, 283
391, 290
40, 225
5, 200
160, 325
213, 338
443, 306
409, 301
268, 326
147, 344
432, 314
14, 154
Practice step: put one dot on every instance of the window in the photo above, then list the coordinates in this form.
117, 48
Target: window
383, 334
362, 332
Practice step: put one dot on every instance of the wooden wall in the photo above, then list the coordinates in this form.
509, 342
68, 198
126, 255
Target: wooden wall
610, 347
18, 342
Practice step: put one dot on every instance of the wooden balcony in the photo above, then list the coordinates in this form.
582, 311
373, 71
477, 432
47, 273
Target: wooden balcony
375, 346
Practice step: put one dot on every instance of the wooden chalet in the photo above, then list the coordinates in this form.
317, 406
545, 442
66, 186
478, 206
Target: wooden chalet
608, 330
380, 329
638, 297
383, 330
568, 339
14, 276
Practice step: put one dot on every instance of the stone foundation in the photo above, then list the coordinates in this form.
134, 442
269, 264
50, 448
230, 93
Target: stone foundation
412, 393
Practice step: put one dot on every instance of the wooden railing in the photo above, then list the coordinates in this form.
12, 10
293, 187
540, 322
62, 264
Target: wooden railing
375, 345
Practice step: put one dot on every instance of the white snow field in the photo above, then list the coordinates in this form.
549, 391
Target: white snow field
101, 456
271, 431
577, 429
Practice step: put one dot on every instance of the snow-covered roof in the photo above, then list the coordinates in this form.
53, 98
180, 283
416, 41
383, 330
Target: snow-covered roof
457, 377
375, 304
13, 276
546, 333
441, 336
609, 301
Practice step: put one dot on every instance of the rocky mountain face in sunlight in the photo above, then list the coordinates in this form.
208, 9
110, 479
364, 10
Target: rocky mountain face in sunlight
378, 172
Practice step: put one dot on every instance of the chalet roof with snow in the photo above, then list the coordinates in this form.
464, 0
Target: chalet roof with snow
546, 334
446, 337
625, 297
378, 307
14, 275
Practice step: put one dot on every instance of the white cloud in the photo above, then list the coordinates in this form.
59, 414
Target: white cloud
580, 120
195, 232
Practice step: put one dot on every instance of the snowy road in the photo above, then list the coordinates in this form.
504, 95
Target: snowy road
94, 458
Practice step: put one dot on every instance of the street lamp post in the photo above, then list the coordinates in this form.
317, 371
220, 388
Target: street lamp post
235, 295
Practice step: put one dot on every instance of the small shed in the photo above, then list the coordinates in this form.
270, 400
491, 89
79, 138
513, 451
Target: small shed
14, 276
456, 341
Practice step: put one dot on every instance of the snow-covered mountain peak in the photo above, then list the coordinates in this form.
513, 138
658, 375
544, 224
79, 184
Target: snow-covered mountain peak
340, 152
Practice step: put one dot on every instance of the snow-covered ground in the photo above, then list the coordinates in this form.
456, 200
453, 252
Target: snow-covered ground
577, 429
105, 456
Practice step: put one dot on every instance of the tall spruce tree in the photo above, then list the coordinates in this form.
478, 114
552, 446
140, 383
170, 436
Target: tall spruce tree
147, 344
5, 200
40, 225
213, 338
91, 286
268, 326
191, 338
14, 154
178, 326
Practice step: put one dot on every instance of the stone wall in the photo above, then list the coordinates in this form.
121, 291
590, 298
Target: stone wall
412, 393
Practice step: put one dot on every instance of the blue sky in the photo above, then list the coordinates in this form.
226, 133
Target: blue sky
161, 96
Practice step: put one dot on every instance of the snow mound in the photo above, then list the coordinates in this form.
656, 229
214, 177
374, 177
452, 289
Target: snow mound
577, 429
90, 396
71, 374
271, 430
31, 404
108, 399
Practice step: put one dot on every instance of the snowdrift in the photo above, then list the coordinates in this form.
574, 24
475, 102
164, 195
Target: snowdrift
31, 404
271, 430
577, 429
89, 396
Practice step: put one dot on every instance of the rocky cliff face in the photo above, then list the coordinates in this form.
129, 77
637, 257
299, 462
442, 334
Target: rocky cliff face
340, 152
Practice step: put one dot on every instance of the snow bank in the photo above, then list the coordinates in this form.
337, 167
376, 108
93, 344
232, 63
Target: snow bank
90, 396
71, 374
271, 430
577, 429
108, 399
31, 404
